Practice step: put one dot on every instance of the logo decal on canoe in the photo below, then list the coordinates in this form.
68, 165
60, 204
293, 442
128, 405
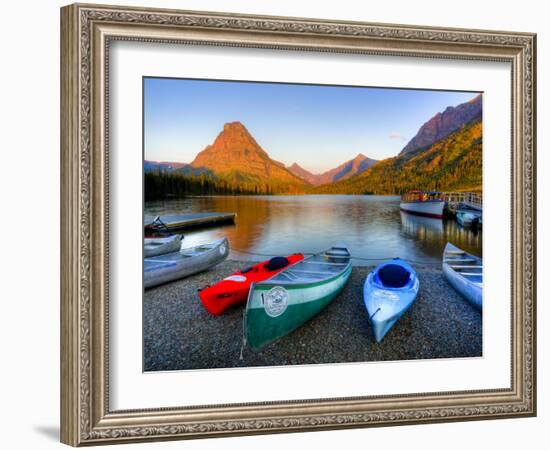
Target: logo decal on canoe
222, 249
276, 301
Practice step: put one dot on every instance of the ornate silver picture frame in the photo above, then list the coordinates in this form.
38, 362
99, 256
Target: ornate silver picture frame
87, 32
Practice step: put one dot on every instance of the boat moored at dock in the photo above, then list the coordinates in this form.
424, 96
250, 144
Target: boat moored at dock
422, 203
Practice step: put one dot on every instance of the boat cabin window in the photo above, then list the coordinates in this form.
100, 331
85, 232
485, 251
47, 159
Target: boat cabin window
421, 196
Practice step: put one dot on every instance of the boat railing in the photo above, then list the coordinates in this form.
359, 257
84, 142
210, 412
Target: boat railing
453, 200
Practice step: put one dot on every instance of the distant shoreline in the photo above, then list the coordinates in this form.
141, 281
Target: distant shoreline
181, 197
268, 195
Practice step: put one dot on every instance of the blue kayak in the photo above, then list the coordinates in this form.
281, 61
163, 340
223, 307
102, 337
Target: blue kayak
389, 291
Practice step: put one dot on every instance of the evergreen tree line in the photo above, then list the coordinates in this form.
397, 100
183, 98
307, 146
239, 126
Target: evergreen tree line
163, 184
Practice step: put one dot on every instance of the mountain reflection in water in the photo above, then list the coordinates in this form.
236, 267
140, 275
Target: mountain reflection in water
373, 227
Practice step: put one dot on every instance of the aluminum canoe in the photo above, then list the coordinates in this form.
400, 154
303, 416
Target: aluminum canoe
188, 261
464, 272
161, 245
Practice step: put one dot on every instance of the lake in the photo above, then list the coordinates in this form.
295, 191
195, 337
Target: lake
371, 226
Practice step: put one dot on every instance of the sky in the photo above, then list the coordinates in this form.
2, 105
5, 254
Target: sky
316, 126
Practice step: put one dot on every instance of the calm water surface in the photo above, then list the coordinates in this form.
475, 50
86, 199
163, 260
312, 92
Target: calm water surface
372, 226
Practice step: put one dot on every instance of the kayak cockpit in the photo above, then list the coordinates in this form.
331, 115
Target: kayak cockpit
393, 275
315, 268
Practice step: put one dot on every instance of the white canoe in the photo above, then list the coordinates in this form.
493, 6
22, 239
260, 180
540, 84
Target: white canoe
465, 273
188, 261
161, 245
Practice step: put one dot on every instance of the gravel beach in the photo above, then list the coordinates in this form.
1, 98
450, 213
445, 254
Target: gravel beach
180, 334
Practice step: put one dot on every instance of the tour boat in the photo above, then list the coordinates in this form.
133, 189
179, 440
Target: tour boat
423, 203
284, 302
234, 289
389, 291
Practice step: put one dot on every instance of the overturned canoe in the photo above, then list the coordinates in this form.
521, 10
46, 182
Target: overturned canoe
161, 245
465, 273
173, 266
279, 305
389, 291
234, 289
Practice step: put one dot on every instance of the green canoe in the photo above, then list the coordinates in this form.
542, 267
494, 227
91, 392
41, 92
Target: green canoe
282, 303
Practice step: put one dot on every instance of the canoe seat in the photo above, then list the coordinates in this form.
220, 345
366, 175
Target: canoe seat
465, 267
392, 275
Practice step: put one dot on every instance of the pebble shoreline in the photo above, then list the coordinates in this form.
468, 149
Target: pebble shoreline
180, 334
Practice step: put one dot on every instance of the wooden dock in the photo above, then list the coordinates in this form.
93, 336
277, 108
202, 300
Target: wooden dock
195, 220
456, 200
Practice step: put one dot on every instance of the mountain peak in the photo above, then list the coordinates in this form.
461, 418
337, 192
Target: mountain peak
236, 155
233, 126
476, 99
444, 123
302, 173
236, 130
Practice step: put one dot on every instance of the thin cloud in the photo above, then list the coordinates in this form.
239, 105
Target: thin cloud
397, 136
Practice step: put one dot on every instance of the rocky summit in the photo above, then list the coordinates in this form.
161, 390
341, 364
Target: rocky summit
237, 156
444, 123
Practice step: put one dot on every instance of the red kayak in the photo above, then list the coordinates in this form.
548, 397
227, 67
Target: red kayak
234, 288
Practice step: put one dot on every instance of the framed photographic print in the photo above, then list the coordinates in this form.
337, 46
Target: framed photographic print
275, 224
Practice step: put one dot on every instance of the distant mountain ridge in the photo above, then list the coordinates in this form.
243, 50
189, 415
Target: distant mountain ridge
344, 171
304, 174
453, 163
444, 123
162, 165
